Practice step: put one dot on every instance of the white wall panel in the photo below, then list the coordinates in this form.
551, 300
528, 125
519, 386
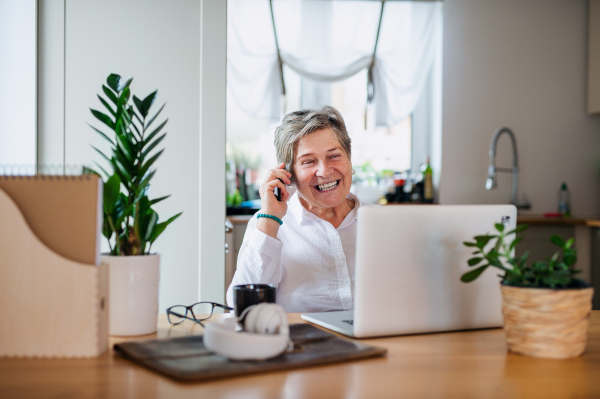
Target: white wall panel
51, 83
212, 150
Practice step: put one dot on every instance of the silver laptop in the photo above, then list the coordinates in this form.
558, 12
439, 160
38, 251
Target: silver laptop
409, 260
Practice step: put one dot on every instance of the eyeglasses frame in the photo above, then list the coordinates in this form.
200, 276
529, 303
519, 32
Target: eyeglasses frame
189, 309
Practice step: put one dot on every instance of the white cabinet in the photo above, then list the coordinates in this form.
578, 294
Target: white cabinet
234, 238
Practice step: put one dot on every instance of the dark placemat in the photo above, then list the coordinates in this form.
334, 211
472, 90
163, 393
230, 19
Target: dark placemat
187, 359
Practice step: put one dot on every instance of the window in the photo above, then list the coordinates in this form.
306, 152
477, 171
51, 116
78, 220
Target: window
384, 133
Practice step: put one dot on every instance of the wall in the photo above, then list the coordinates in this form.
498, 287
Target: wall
158, 43
520, 64
18, 83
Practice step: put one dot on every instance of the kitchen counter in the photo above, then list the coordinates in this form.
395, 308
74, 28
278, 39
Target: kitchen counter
239, 219
540, 220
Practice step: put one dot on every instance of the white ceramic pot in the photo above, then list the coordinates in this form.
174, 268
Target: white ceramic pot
133, 294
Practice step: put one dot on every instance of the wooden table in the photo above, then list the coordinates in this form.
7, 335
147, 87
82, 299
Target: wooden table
471, 364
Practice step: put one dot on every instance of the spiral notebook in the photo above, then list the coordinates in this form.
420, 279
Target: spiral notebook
64, 212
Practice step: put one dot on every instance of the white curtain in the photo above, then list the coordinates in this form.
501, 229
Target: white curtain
331, 41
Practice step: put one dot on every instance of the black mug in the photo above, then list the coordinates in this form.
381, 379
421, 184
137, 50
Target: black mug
246, 295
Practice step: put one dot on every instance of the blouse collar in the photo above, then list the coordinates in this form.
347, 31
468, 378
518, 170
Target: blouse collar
301, 215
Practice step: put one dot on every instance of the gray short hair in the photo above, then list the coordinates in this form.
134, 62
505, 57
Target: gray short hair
298, 124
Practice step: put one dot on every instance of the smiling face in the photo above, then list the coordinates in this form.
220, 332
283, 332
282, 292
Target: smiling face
323, 170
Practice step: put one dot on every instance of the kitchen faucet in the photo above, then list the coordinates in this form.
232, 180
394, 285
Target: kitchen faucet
492, 169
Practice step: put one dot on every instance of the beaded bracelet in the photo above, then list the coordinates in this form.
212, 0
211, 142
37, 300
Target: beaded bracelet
275, 218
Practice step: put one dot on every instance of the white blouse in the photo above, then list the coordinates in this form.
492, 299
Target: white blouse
310, 262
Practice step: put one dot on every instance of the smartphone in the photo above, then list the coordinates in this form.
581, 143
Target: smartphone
277, 191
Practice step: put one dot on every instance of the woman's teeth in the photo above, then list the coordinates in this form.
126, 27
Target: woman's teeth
327, 186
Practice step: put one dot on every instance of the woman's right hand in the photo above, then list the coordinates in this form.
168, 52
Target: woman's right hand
269, 203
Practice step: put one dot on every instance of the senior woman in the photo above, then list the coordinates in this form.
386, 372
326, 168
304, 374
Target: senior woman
305, 243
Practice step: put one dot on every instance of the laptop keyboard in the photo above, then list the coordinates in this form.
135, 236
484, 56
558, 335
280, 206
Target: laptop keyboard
351, 322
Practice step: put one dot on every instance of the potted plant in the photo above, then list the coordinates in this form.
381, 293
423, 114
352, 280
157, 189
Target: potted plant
130, 225
545, 308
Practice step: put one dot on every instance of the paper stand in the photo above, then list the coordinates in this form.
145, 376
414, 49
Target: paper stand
50, 306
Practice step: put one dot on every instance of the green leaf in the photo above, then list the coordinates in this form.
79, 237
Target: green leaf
121, 175
112, 188
139, 135
122, 169
139, 119
157, 200
161, 227
540, 266
520, 228
107, 230
103, 118
101, 153
154, 133
107, 106
102, 134
514, 243
150, 225
474, 261
145, 219
124, 84
469, 244
557, 240
114, 81
146, 181
89, 171
473, 274
122, 158
496, 263
110, 94
570, 260
499, 227
149, 163
124, 97
126, 147
123, 211
147, 103
482, 241
127, 114
560, 266
138, 103
492, 254
154, 117
569, 243
103, 170
154, 144
523, 259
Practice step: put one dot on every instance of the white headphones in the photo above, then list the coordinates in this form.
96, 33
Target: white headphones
266, 334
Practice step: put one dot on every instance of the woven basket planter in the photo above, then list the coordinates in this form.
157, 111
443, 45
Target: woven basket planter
546, 323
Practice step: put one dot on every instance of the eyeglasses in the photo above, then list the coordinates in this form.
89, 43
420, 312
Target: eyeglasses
178, 313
